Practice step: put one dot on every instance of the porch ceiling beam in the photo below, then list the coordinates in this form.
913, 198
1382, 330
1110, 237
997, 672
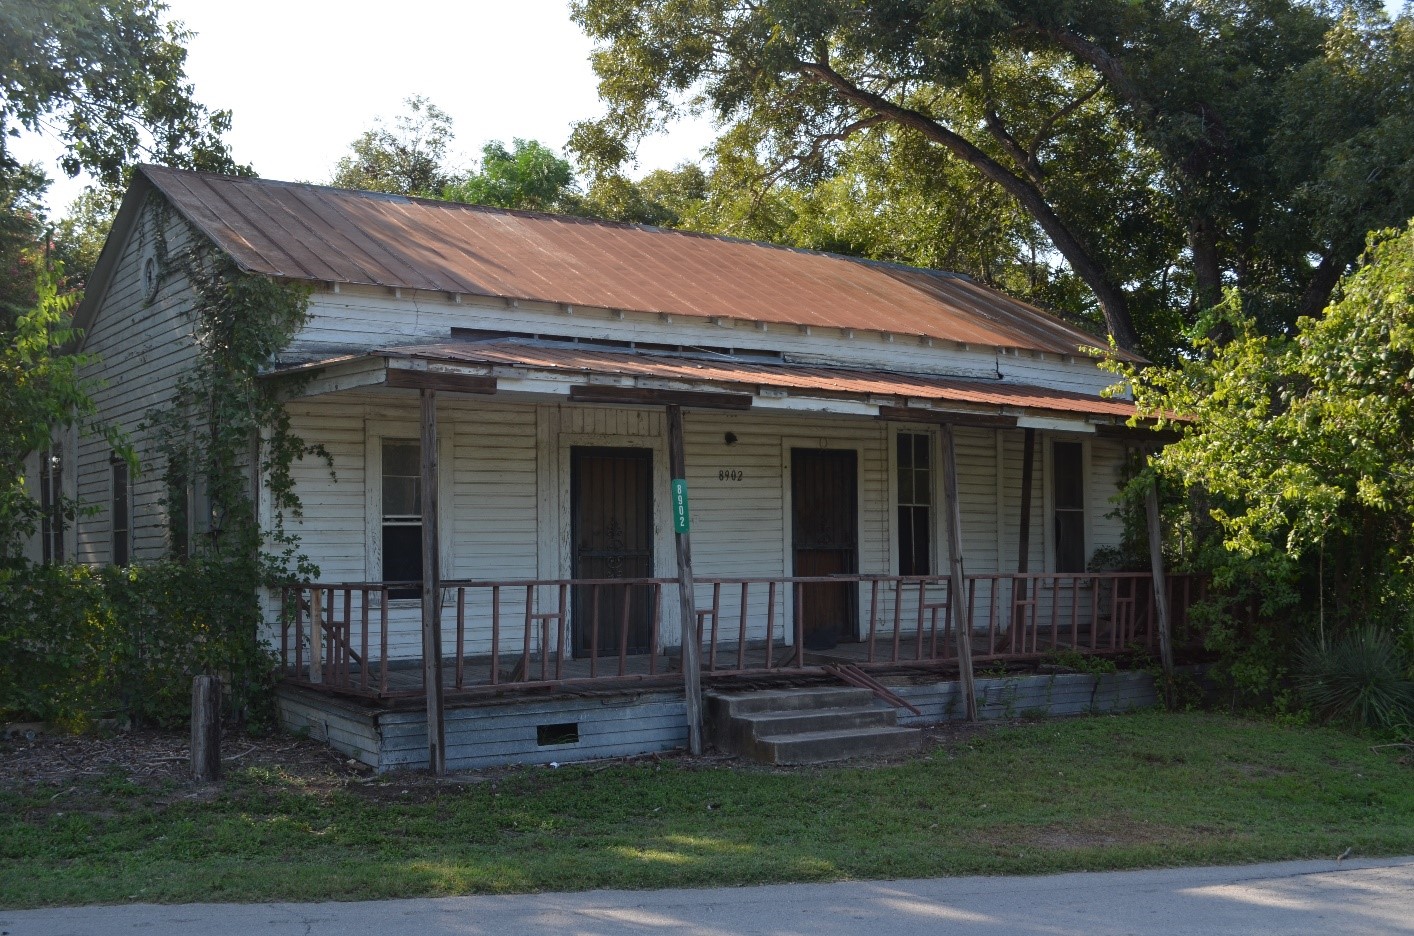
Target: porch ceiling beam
1075, 424
598, 393
407, 379
938, 417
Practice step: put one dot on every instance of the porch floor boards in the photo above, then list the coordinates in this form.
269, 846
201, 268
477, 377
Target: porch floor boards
404, 678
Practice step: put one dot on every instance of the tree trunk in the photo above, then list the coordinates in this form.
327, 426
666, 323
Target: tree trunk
1207, 272
1317, 294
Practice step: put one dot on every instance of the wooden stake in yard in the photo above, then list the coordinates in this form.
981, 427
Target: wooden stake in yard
691, 664
432, 591
206, 728
957, 598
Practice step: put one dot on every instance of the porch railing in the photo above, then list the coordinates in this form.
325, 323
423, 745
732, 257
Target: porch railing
354, 637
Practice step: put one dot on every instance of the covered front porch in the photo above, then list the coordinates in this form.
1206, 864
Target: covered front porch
523, 520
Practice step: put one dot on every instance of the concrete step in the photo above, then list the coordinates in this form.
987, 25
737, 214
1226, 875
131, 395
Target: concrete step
741, 733
765, 724
732, 704
818, 747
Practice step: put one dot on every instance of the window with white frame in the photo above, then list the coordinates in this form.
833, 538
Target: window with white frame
914, 502
120, 511
401, 464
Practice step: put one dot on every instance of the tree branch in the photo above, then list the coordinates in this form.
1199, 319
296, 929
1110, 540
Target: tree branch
1043, 133
1112, 301
1026, 161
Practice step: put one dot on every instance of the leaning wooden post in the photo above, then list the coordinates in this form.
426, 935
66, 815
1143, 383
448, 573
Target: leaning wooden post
1161, 593
206, 728
431, 591
962, 619
691, 665
1023, 539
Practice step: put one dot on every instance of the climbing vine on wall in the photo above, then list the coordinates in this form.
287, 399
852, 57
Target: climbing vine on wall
225, 441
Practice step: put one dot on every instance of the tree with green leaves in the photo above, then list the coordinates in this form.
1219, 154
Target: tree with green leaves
407, 158
1163, 147
40, 391
1298, 449
529, 176
107, 78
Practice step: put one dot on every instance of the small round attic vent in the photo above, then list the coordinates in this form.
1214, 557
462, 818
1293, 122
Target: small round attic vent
150, 279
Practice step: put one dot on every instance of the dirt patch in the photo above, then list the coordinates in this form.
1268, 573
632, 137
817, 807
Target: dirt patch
150, 757
159, 761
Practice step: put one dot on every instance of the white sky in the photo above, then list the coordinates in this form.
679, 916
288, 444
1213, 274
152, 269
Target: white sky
303, 78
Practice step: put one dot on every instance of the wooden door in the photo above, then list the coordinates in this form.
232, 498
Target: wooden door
611, 503
825, 541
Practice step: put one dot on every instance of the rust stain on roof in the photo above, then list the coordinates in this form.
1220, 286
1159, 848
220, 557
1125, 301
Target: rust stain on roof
788, 377
312, 232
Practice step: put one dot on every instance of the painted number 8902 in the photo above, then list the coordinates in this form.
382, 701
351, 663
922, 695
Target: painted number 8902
730, 474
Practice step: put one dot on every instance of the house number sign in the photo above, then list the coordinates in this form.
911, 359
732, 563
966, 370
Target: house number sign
681, 520
730, 474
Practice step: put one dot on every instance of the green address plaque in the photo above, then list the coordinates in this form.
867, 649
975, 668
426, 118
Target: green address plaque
682, 522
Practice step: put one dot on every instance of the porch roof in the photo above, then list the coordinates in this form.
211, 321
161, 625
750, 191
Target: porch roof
758, 383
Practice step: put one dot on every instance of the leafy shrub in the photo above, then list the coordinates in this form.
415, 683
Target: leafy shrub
1364, 677
79, 644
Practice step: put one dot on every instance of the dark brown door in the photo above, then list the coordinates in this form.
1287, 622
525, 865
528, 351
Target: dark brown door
825, 540
611, 503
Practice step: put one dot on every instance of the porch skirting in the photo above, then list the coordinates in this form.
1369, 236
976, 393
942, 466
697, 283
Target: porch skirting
492, 733
488, 733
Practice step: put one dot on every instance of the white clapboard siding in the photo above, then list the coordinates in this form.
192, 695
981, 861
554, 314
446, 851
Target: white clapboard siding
356, 319
143, 349
1107, 458
1080, 374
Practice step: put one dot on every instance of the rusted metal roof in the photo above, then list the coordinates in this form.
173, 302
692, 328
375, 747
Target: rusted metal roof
311, 232
751, 376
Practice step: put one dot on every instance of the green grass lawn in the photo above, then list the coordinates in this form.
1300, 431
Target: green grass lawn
1094, 793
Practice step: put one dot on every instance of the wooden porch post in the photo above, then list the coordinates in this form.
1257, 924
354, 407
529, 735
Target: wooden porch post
1161, 593
432, 591
962, 620
691, 664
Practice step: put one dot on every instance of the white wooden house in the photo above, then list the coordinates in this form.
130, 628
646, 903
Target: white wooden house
815, 389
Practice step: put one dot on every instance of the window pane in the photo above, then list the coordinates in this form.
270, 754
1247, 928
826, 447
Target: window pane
905, 485
905, 541
1070, 541
120, 513
402, 497
402, 457
922, 538
905, 450
922, 487
921, 448
402, 478
1067, 464
402, 557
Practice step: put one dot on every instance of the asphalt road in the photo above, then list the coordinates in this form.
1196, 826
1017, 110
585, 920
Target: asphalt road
1351, 899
